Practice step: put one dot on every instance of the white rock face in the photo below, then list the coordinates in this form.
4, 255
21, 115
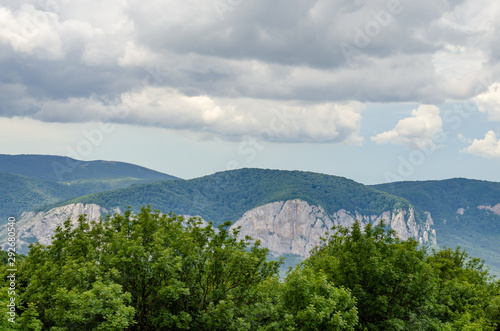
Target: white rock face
40, 227
295, 227
32, 227
287, 227
495, 209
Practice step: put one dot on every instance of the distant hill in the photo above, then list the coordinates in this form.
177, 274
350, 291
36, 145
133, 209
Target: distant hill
59, 168
20, 193
466, 212
287, 211
28, 182
228, 195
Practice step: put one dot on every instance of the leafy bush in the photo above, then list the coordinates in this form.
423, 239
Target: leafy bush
153, 271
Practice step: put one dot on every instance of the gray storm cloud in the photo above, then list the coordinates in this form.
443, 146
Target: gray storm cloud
201, 69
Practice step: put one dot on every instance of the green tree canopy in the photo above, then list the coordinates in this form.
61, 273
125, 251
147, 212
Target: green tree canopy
399, 286
153, 271
147, 272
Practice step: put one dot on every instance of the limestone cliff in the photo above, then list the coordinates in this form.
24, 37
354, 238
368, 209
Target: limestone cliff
495, 209
40, 227
33, 227
292, 227
295, 227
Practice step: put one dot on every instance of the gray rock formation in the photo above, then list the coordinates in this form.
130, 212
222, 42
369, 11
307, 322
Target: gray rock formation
495, 209
295, 227
40, 227
33, 227
291, 227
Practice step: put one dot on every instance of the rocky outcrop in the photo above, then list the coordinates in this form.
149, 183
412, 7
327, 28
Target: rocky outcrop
495, 209
285, 227
295, 227
40, 227
33, 227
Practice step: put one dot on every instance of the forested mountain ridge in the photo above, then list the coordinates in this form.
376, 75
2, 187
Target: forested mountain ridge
458, 212
466, 212
444, 197
28, 182
288, 211
20, 193
66, 169
228, 195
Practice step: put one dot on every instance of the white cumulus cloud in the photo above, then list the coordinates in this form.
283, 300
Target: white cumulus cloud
30, 31
415, 131
229, 119
489, 147
81, 54
489, 102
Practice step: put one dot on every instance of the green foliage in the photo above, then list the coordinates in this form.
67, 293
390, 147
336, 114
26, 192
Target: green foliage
153, 271
146, 272
27, 322
58, 168
308, 301
228, 195
398, 286
477, 231
15, 258
387, 276
103, 307
468, 296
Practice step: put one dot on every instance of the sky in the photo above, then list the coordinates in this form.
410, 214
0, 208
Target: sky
376, 91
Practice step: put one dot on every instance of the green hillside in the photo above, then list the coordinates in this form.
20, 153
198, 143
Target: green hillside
228, 195
20, 194
59, 168
152, 271
28, 182
476, 230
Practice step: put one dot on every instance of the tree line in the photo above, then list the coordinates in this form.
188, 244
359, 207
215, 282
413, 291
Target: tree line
154, 271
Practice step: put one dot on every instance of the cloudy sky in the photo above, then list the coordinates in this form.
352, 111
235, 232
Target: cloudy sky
376, 91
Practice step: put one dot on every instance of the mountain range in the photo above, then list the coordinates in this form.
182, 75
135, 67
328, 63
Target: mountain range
466, 213
28, 182
288, 211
